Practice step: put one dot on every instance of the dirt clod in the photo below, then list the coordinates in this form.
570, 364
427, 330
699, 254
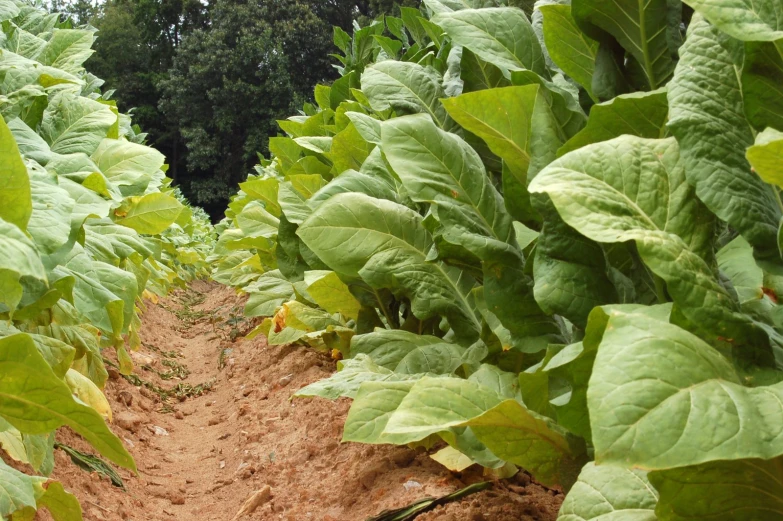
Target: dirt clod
129, 421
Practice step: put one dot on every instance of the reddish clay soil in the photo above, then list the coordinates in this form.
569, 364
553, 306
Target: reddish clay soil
244, 450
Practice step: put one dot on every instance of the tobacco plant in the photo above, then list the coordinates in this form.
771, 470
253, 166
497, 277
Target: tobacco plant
545, 238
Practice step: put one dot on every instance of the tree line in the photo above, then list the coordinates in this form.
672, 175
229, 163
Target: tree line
207, 80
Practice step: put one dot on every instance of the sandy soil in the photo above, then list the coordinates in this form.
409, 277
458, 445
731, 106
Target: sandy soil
244, 450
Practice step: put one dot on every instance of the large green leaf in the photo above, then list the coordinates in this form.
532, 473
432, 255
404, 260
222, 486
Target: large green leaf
477, 74
640, 27
571, 49
31, 145
659, 397
620, 189
501, 117
128, 165
441, 405
408, 353
15, 202
610, 493
377, 402
265, 191
150, 214
516, 434
50, 222
75, 124
406, 87
331, 293
350, 375
744, 19
349, 150
18, 258
385, 244
642, 114
8, 9
388, 347
17, 490
373, 405
435, 405
501, 36
735, 260
353, 181
439, 167
36, 401
68, 49
255, 221
741, 490
568, 269
102, 293
709, 123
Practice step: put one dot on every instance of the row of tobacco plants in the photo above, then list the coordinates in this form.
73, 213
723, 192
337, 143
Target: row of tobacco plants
546, 239
88, 226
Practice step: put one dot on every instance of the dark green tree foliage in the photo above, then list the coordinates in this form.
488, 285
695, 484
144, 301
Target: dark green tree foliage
230, 82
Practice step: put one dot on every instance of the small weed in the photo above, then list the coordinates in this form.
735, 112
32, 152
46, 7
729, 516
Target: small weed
161, 352
223, 356
183, 391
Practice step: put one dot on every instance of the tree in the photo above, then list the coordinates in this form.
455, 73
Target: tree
231, 81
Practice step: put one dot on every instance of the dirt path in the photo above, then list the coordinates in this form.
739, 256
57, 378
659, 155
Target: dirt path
201, 457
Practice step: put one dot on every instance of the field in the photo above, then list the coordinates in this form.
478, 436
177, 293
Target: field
518, 262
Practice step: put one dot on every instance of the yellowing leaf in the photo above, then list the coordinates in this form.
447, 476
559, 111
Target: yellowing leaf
85, 390
151, 213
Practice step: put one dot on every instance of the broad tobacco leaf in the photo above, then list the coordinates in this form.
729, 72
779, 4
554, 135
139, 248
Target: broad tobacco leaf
15, 202
501, 36
648, 374
762, 75
501, 117
610, 493
149, 214
128, 165
331, 293
439, 167
408, 353
568, 47
267, 293
408, 88
642, 114
386, 245
766, 156
738, 490
75, 124
18, 258
707, 118
350, 375
748, 21
17, 490
641, 29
